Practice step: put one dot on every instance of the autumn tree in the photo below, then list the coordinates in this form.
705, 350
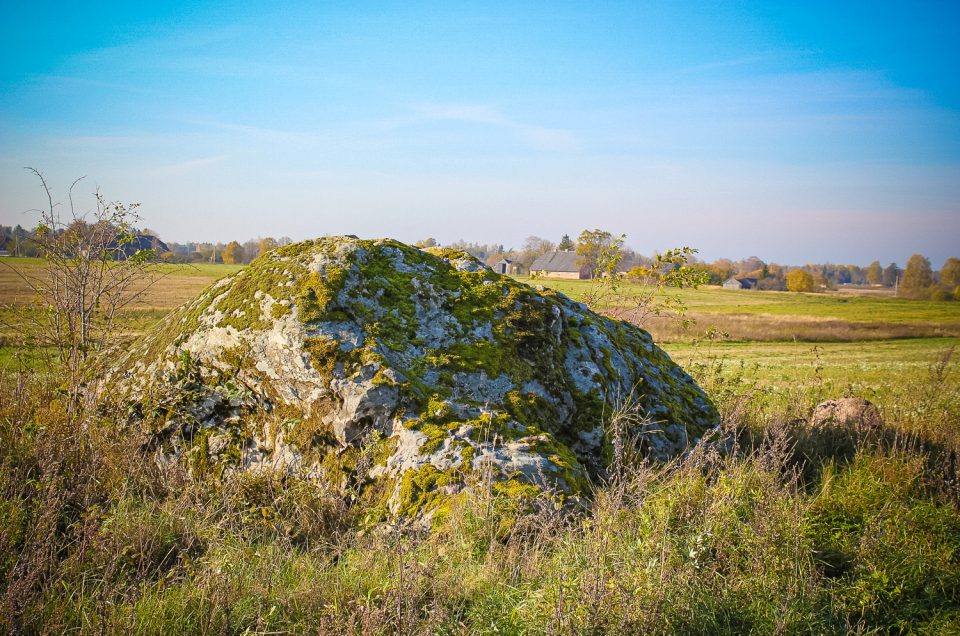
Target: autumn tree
233, 253
596, 247
267, 244
799, 280
950, 274
875, 273
566, 245
918, 275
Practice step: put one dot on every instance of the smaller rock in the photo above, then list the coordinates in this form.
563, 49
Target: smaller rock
856, 414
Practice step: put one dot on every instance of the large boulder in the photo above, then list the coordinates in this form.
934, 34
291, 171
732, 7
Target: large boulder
402, 372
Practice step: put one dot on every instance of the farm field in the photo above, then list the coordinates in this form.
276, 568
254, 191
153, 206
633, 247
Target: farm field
771, 316
778, 337
743, 315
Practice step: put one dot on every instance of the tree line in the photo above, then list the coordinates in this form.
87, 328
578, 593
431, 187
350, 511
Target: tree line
917, 280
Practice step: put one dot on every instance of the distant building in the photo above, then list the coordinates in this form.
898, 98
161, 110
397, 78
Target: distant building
4, 253
505, 266
740, 283
564, 264
128, 247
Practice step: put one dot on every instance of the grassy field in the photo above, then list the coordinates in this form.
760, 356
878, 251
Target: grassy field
176, 284
787, 531
772, 316
860, 340
742, 315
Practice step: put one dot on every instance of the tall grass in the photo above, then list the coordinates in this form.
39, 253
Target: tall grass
769, 527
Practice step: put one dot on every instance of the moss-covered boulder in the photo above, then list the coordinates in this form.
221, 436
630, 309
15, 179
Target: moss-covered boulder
400, 373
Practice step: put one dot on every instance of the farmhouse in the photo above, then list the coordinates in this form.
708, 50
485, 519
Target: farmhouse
740, 283
563, 264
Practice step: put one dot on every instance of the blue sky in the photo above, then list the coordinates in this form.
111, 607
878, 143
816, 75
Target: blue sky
798, 132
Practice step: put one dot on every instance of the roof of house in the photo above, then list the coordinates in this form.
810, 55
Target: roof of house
128, 246
557, 262
744, 283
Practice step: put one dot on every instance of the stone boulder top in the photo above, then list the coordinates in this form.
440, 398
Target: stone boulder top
439, 365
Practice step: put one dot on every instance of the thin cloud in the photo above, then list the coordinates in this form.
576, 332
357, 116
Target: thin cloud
542, 137
267, 134
193, 164
709, 66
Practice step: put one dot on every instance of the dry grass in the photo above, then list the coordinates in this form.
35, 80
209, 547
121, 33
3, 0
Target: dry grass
741, 536
178, 285
749, 327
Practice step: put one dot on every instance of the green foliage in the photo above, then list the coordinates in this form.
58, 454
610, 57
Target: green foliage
600, 252
950, 273
652, 293
917, 277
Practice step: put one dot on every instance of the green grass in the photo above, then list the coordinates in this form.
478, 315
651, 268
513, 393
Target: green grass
867, 364
715, 300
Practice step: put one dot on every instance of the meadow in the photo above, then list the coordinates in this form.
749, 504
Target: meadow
751, 315
773, 528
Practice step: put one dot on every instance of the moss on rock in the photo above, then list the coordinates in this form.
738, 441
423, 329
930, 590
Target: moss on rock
448, 366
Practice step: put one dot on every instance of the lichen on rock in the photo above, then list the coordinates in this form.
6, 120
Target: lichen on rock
403, 370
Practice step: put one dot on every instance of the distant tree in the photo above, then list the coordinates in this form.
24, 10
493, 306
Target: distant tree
799, 280
267, 244
148, 232
484, 252
820, 280
566, 244
595, 248
251, 250
720, 270
950, 273
890, 274
918, 276
771, 283
233, 253
750, 265
533, 248
875, 273
427, 242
